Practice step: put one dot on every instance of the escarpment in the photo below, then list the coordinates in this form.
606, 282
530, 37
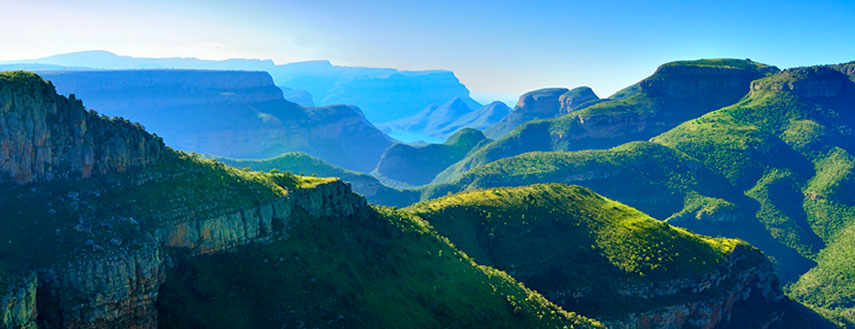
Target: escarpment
44, 136
676, 92
810, 82
18, 300
93, 208
239, 114
608, 261
543, 104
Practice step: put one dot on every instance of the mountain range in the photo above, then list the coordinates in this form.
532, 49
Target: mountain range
714, 193
227, 113
383, 94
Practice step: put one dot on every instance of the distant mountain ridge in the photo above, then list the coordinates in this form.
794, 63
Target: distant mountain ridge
238, 114
676, 92
383, 94
543, 104
440, 121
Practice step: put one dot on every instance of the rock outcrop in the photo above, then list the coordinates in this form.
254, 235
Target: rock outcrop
44, 136
255, 224
744, 287
811, 82
542, 104
676, 92
18, 302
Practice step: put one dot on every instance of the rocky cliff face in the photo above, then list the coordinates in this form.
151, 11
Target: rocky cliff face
742, 286
116, 288
239, 114
18, 302
543, 104
811, 82
252, 224
44, 136
110, 275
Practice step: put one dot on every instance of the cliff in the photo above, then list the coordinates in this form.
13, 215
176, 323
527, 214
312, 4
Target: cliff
100, 251
543, 104
239, 114
610, 262
44, 136
676, 92
18, 300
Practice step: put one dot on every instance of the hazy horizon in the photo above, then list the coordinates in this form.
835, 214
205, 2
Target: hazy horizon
498, 50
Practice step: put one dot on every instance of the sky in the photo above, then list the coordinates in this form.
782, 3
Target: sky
499, 49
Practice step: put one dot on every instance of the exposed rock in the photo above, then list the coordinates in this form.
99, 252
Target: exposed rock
243, 226
238, 114
543, 104
743, 285
815, 81
44, 136
18, 303
111, 289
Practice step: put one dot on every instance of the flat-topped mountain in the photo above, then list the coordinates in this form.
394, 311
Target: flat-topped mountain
184, 242
543, 104
44, 136
384, 94
676, 92
227, 113
775, 169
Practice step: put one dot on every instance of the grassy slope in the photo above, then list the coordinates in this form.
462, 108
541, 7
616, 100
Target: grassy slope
304, 164
377, 269
562, 240
558, 134
786, 154
46, 223
407, 166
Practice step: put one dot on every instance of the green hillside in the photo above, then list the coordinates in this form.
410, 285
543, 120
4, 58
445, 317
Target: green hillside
775, 169
300, 163
676, 92
215, 246
404, 165
377, 269
568, 241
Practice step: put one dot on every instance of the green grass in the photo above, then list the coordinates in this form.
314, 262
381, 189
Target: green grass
658, 99
830, 286
408, 166
300, 163
561, 240
377, 269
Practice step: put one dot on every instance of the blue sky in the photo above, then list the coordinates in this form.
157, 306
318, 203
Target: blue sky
501, 48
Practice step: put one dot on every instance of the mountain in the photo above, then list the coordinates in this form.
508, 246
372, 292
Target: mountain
106, 227
611, 262
775, 168
238, 114
383, 94
543, 104
442, 120
676, 92
407, 166
304, 164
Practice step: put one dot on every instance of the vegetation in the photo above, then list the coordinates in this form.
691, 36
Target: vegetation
566, 240
403, 165
671, 95
302, 163
380, 268
774, 168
